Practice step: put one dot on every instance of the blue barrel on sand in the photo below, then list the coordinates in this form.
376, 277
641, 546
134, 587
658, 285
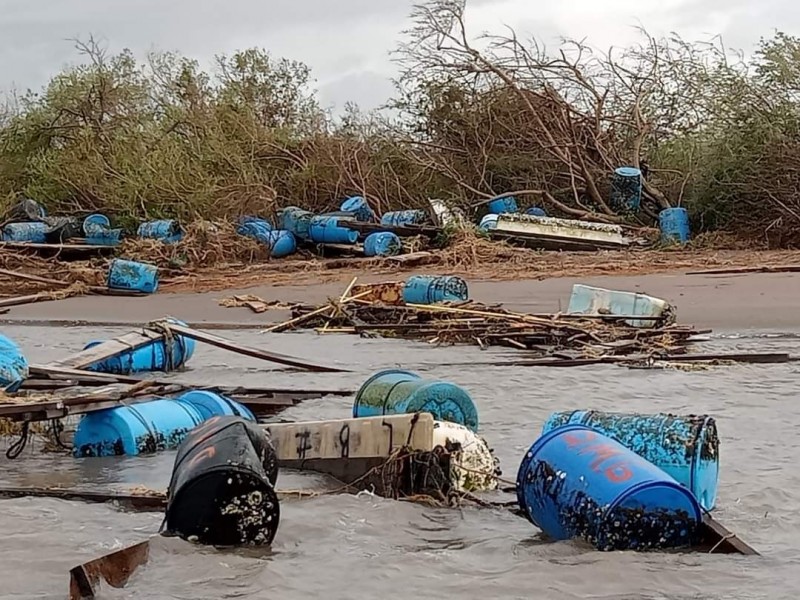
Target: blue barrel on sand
674, 225
401, 218
488, 222
132, 275
34, 232
536, 211
167, 230
141, 428
13, 365
382, 243
151, 357
296, 220
507, 204
626, 189
685, 447
359, 207
326, 230
430, 289
396, 392
574, 482
211, 404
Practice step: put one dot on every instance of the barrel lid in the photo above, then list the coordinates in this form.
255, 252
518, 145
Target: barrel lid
628, 172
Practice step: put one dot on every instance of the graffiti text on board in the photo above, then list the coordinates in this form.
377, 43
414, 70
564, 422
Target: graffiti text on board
606, 457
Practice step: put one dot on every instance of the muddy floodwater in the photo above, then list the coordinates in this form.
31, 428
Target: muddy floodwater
361, 546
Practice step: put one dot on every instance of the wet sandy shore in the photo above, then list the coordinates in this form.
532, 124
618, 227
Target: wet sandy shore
722, 302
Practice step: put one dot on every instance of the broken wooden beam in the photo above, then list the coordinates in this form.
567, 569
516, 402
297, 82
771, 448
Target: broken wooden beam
715, 538
114, 569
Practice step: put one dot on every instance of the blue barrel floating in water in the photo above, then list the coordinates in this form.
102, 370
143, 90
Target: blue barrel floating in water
151, 357
167, 230
13, 365
400, 218
626, 189
574, 482
488, 222
34, 232
131, 275
210, 404
508, 204
536, 211
359, 207
296, 220
221, 492
396, 392
326, 230
140, 428
674, 224
382, 243
430, 289
685, 447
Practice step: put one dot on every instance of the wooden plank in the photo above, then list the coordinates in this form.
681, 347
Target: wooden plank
745, 270
114, 568
109, 348
717, 539
220, 342
371, 437
144, 502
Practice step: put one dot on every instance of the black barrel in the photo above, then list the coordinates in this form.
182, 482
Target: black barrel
222, 487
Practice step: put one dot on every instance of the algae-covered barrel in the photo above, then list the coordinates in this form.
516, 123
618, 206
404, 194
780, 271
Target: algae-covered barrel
626, 189
574, 482
222, 487
133, 276
395, 391
382, 243
684, 447
168, 231
430, 289
34, 232
13, 365
401, 218
359, 208
140, 428
296, 220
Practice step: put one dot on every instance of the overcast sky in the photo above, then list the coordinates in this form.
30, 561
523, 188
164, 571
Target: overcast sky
345, 42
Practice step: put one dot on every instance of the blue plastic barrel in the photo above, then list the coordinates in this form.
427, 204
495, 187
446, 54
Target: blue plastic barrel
685, 447
296, 220
326, 230
488, 222
507, 204
151, 357
430, 289
536, 211
167, 230
401, 218
25, 232
210, 404
140, 428
674, 224
282, 243
255, 228
626, 189
13, 365
104, 237
359, 207
96, 223
396, 392
382, 243
575, 482
131, 275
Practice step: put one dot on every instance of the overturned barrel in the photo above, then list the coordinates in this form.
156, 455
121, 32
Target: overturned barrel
34, 232
140, 428
488, 222
281, 243
133, 276
13, 365
382, 243
401, 218
430, 289
574, 482
211, 404
326, 230
254, 227
159, 355
221, 491
685, 447
359, 207
296, 220
395, 391
507, 204
168, 231
674, 225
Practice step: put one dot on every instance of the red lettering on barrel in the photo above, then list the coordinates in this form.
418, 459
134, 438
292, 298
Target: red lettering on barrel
616, 472
578, 438
205, 453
